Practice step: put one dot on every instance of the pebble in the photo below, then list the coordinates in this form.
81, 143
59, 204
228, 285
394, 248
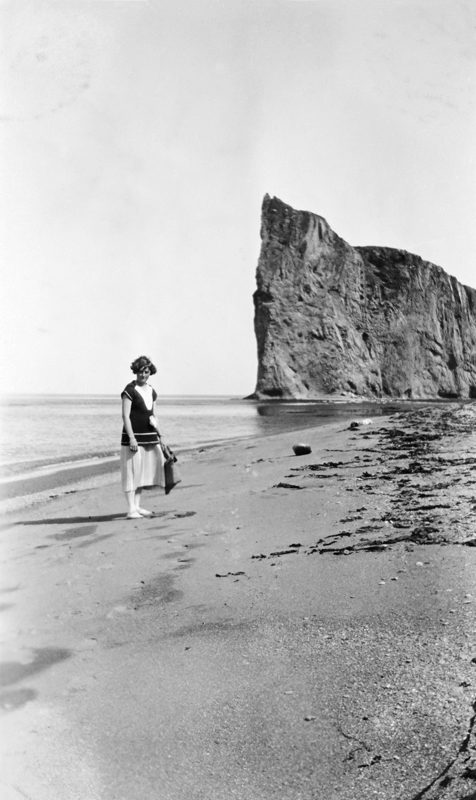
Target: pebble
302, 449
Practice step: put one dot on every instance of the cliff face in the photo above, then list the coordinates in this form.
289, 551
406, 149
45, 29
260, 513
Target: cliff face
367, 321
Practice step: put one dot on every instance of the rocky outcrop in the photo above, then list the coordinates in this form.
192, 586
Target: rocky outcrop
332, 319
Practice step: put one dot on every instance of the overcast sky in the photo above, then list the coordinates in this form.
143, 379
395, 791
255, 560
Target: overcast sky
138, 138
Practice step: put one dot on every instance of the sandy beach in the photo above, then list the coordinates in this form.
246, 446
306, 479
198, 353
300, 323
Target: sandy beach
284, 627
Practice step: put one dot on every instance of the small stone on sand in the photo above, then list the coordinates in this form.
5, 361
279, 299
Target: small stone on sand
302, 449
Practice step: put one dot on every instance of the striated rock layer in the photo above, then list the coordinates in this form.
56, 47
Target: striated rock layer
374, 322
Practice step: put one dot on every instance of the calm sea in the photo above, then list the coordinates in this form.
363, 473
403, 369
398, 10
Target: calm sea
43, 436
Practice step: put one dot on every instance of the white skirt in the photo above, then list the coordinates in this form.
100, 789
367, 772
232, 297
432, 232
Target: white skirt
143, 468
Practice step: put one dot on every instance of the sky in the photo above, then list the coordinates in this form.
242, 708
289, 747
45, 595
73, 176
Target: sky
138, 138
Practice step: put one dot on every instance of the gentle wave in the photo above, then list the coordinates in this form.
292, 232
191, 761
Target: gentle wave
50, 468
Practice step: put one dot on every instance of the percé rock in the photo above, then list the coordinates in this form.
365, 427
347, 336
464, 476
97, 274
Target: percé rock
332, 319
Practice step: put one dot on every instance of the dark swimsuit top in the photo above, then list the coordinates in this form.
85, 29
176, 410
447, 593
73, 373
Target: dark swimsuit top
141, 427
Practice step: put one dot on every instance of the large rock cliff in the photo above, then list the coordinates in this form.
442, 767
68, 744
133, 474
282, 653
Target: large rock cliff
331, 319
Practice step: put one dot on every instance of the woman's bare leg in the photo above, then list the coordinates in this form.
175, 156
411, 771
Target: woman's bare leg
142, 511
132, 511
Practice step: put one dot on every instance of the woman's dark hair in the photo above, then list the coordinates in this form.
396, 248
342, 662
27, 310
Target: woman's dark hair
140, 363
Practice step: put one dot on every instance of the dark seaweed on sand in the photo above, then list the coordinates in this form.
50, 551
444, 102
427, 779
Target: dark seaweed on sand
420, 471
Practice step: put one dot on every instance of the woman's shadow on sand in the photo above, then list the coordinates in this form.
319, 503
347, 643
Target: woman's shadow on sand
72, 520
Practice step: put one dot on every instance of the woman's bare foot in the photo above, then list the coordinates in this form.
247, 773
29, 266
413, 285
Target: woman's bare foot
143, 512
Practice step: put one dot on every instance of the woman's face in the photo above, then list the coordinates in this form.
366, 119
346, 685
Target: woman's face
143, 376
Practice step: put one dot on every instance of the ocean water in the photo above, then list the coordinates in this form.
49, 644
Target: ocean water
44, 435
56, 430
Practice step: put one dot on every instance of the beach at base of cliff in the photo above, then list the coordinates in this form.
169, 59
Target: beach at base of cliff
293, 627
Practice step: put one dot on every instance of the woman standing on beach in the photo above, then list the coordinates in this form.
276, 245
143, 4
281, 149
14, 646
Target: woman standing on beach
142, 461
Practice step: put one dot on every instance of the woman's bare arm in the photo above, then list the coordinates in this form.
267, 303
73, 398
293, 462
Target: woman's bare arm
126, 418
153, 420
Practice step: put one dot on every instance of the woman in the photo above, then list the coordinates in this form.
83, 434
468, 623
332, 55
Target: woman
142, 461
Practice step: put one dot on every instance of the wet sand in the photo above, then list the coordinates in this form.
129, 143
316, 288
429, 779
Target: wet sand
38, 488
283, 627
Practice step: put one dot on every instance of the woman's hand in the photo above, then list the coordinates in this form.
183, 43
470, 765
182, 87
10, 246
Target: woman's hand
133, 444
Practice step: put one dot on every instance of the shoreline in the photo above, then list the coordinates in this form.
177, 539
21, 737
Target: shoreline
27, 493
283, 626
49, 479
70, 477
